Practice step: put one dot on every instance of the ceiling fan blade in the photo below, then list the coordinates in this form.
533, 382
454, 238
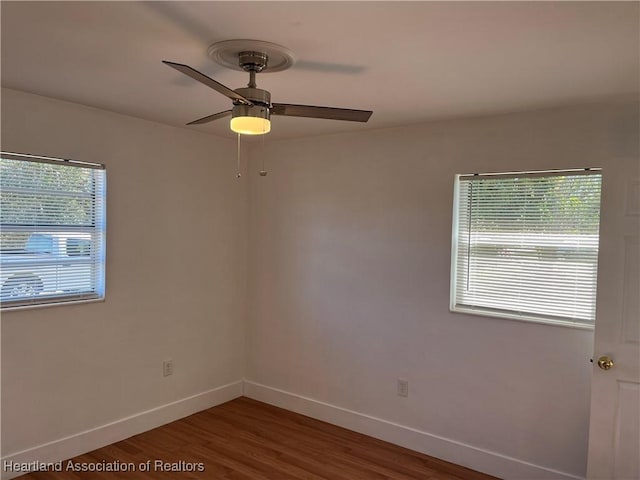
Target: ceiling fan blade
329, 113
208, 81
210, 118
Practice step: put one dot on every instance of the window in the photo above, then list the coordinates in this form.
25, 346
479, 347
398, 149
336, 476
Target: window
52, 232
525, 245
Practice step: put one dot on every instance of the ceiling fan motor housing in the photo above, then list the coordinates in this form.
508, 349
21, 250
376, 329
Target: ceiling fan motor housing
256, 95
261, 107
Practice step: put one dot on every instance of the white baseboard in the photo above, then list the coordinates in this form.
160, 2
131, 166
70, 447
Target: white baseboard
88, 440
469, 456
446, 449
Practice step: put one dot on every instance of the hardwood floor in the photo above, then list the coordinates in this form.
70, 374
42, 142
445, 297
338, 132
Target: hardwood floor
249, 440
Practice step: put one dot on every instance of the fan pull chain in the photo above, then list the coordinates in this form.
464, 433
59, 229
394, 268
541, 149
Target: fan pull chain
238, 174
263, 172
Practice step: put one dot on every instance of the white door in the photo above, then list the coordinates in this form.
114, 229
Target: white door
614, 434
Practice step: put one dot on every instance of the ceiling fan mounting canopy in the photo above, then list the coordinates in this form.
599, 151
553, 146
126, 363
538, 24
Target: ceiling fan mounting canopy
252, 107
251, 61
227, 53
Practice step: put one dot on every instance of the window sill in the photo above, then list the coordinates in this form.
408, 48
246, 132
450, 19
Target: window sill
521, 318
14, 308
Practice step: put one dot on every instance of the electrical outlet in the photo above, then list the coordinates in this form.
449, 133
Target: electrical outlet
167, 367
403, 387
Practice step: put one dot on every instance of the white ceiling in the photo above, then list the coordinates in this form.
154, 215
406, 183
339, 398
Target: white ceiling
409, 62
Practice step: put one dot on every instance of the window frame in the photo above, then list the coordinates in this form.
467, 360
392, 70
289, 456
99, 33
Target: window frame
496, 313
97, 230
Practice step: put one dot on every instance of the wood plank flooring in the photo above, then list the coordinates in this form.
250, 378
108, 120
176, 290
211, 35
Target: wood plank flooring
249, 440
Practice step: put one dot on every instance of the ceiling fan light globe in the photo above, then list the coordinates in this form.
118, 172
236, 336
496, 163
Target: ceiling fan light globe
250, 125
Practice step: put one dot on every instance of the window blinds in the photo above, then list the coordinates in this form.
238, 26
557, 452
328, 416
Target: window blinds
526, 245
52, 237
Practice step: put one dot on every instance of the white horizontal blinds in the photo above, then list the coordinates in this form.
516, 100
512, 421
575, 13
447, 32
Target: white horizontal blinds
527, 245
52, 237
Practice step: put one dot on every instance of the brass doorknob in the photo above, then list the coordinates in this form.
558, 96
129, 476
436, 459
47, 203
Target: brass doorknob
605, 362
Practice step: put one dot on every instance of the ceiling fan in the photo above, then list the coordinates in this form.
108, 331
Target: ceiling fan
252, 107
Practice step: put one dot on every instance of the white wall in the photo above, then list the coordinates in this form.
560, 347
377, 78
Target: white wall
348, 240
349, 289
175, 284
